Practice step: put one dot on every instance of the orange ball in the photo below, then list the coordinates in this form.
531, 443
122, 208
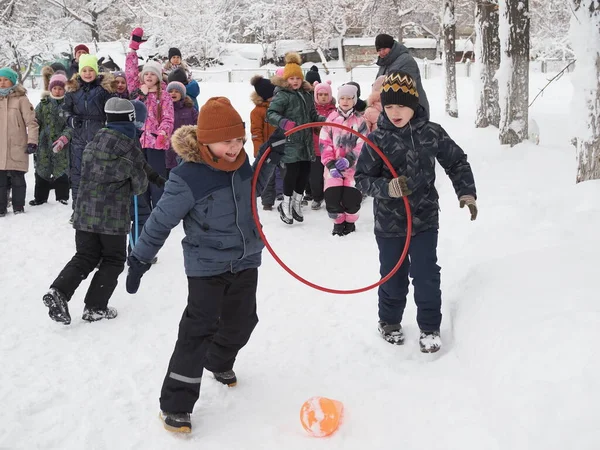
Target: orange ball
320, 416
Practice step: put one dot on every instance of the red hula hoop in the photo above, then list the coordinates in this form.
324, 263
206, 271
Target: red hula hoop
281, 263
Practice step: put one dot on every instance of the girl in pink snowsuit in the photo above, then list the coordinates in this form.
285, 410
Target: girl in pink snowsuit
339, 151
147, 86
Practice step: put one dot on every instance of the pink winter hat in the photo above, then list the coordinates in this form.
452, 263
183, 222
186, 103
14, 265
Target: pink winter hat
323, 87
348, 90
58, 79
279, 72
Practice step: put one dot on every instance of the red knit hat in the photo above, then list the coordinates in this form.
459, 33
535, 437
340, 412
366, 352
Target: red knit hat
81, 47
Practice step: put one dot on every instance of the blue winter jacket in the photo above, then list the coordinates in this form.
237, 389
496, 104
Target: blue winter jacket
215, 206
192, 90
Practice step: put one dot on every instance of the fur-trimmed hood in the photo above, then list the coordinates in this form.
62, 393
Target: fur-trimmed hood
18, 91
185, 144
105, 80
47, 73
283, 84
258, 100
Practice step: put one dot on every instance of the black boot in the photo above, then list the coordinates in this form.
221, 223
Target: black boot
391, 332
338, 229
349, 228
228, 377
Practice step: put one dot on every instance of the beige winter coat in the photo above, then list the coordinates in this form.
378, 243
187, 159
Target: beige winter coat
18, 127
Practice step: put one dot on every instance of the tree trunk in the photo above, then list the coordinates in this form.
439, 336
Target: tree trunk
487, 59
94, 27
585, 38
513, 77
449, 29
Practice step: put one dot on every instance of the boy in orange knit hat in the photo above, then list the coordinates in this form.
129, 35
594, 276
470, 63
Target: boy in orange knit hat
211, 192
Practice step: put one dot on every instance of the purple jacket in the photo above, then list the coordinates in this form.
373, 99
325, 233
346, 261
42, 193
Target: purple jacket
185, 114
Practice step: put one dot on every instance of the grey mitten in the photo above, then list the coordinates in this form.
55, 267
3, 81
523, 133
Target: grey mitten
398, 187
469, 200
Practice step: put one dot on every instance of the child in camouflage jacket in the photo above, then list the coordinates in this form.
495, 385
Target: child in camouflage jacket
112, 171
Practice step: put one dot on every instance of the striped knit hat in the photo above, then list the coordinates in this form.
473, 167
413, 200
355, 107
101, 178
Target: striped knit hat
399, 89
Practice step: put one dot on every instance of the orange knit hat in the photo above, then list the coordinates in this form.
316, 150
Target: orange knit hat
292, 66
219, 121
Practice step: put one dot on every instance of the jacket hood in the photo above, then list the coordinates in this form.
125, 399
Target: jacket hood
395, 52
258, 100
283, 84
18, 91
185, 144
113, 151
105, 80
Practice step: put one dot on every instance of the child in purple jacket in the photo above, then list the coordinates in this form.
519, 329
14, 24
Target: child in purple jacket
185, 114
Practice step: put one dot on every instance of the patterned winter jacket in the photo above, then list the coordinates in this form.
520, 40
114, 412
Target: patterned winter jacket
322, 110
412, 151
400, 59
53, 125
215, 206
160, 116
299, 107
112, 172
336, 143
260, 128
185, 114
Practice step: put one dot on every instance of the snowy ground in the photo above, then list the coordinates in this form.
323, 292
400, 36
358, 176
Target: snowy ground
520, 360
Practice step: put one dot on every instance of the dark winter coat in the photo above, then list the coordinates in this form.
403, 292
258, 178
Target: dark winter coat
84, 111
399, 59
412, 151
299, 107
192, 90
49, 165
185, 114
215, 206
112, 172
73, 69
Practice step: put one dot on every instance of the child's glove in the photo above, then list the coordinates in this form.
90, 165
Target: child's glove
287, 124
277, 142
134, 275
351, 157
335, 173
74, 122
136, 38
469, 200
59, 144
398, 187
156, 179
161, 141
31, 148
342, 164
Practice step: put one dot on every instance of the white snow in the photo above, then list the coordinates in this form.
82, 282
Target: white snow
518, 368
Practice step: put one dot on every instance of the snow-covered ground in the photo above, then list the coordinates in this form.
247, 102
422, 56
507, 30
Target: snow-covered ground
518, 370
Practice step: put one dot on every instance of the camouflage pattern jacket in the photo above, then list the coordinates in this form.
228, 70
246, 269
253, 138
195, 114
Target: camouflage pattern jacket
112, 172
412, 151
49, 165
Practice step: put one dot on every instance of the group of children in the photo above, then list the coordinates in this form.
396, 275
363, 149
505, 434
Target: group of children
209, 189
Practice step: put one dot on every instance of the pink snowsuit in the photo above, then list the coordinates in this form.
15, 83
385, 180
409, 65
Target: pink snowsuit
336, 143
152, 126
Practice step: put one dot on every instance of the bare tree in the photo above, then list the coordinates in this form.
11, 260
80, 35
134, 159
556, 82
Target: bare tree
513, 76
449, 27
487, 49
585, 36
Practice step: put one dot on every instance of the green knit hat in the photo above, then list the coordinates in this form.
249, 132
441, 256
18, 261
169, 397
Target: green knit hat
88, 61
7, 72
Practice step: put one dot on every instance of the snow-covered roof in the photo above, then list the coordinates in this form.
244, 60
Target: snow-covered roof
464, 45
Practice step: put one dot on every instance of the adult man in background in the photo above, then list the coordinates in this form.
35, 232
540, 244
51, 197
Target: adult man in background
395, 57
